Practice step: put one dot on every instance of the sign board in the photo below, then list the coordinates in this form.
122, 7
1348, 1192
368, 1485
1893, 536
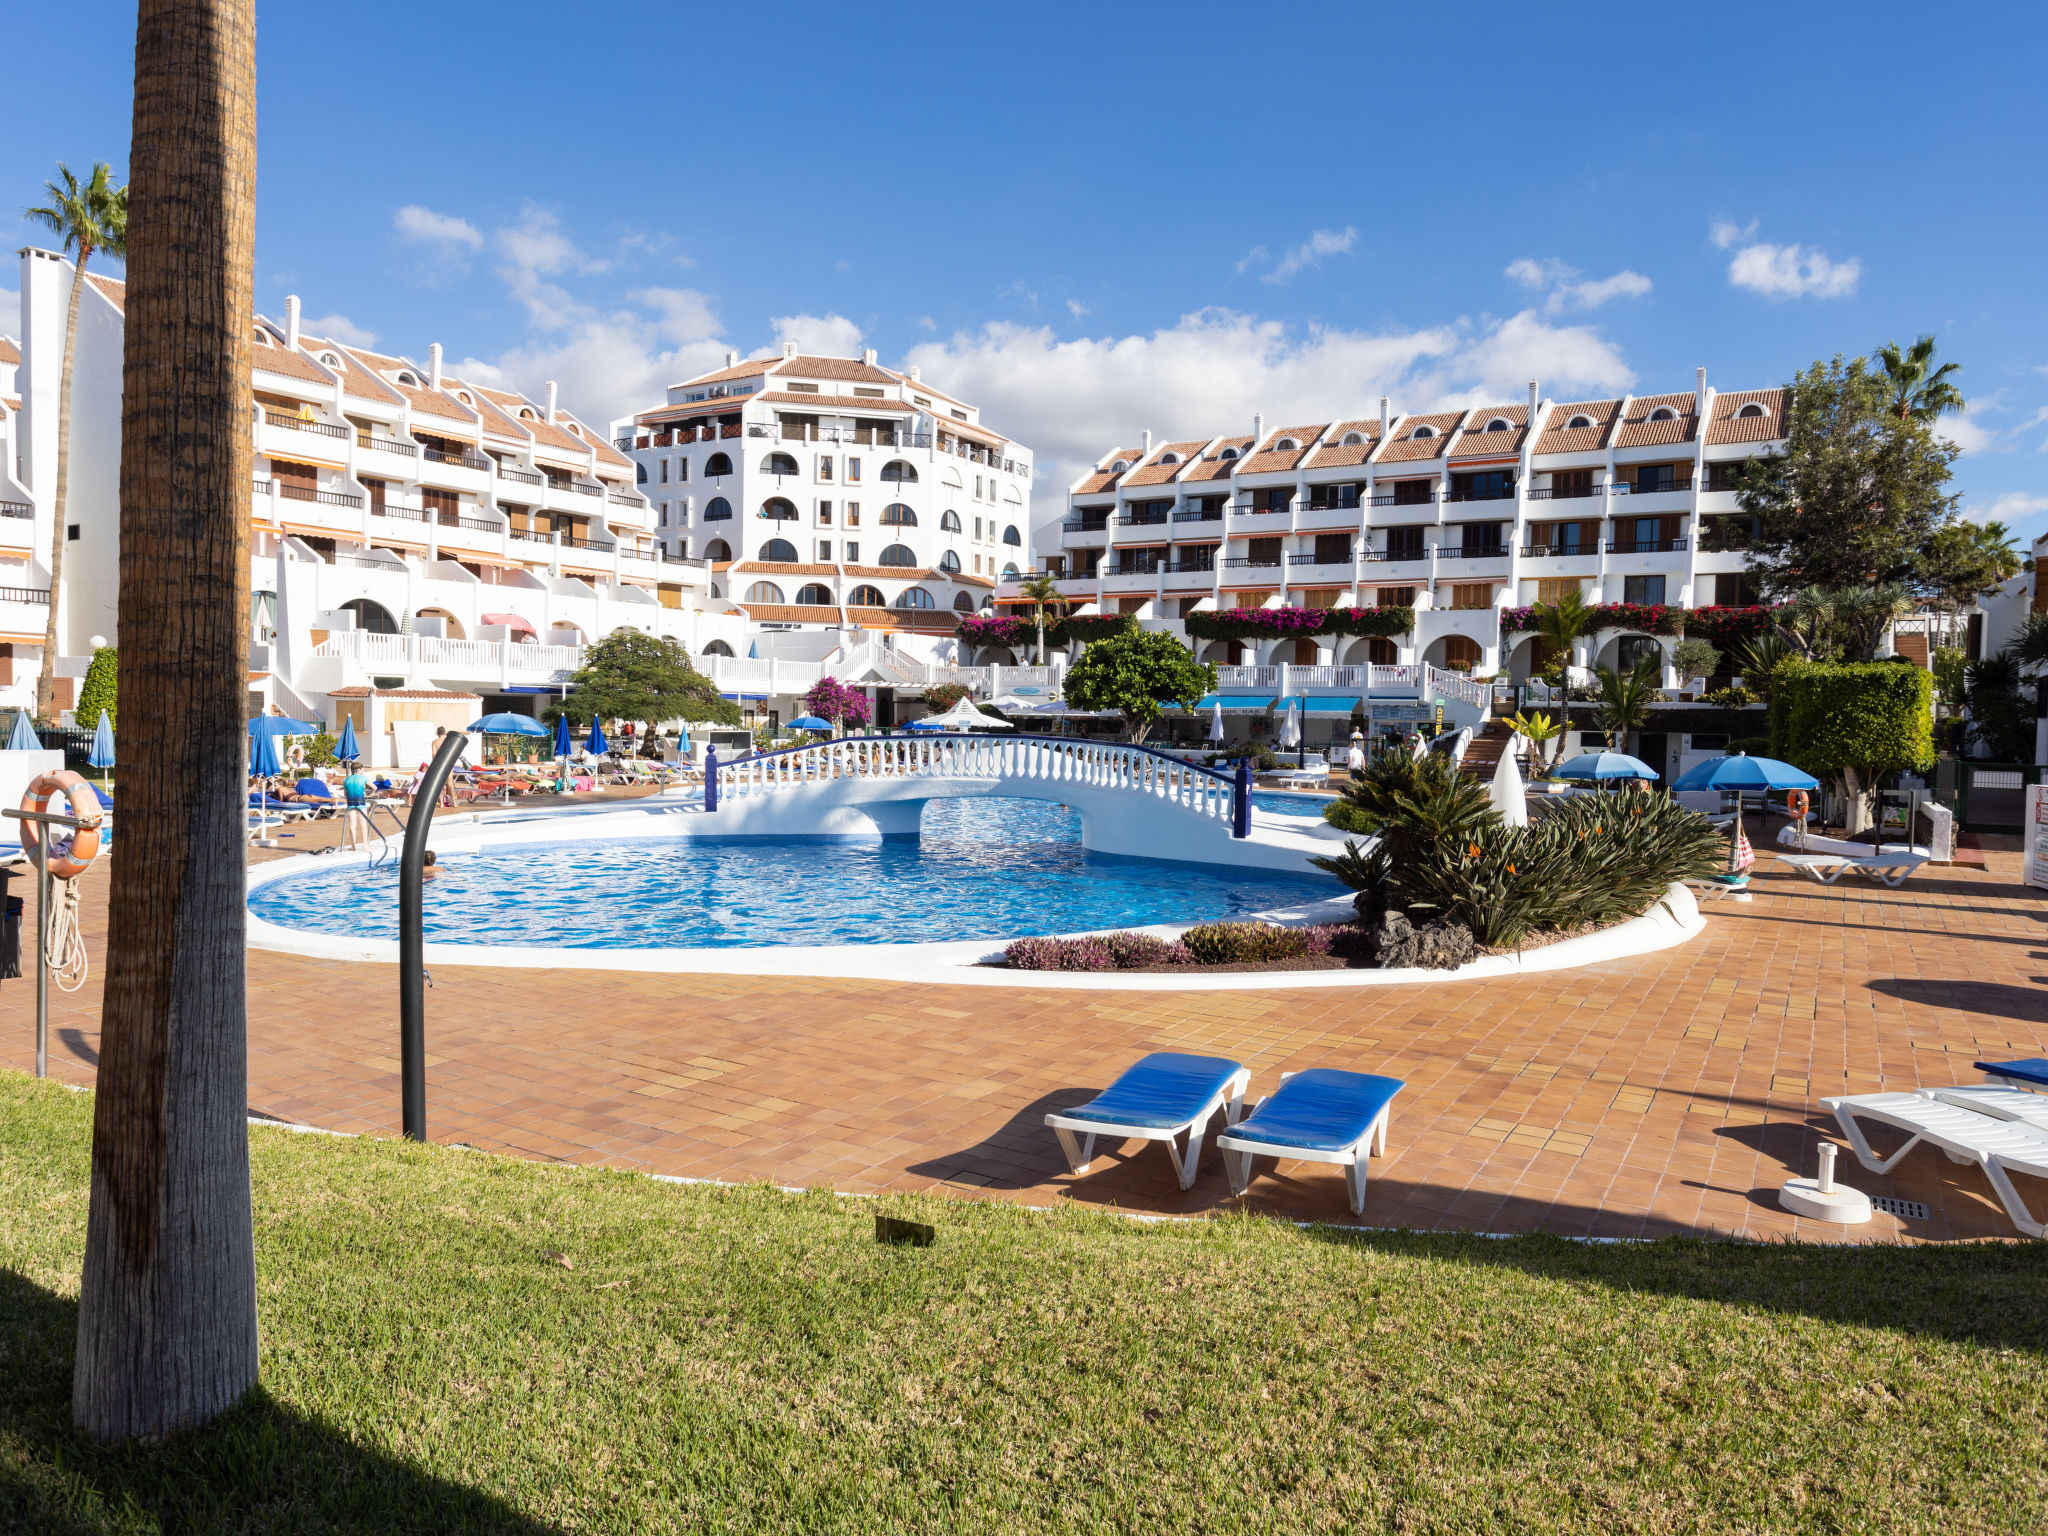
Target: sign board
2034, 837
1398, 714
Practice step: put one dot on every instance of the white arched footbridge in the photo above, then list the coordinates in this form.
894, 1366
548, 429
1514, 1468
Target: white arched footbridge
1134, 801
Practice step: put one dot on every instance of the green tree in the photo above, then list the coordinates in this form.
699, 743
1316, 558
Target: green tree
86, 216
1695, 658
98, 691
1854, 723
1856, 496
1919, 389
1623, 702
1138, 673
1965, 561
1042, 591
631, 675
1560, 625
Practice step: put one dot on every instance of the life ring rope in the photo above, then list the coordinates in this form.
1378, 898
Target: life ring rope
68, 854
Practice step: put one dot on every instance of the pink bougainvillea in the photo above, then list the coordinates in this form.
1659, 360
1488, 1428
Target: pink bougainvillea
830, 699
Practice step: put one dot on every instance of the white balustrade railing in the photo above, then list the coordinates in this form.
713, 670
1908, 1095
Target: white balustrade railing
1248, 677
1456, 685
1392, 675
1201, 793
1325, 677
434, 651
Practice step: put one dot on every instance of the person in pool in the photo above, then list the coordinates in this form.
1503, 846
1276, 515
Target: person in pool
428, 868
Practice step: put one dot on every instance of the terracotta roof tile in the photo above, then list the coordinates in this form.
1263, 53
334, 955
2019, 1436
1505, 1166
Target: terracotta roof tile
1559, 436
843, 370
1215, 466
357, 378
9, 352
839, 404
359, 691
112, 287
1270, 458
1477, 443
780, 568
276, 358
1105, 479
1157, 472
1406, 446
1638, 431
420, 399
746, 370
1730, 426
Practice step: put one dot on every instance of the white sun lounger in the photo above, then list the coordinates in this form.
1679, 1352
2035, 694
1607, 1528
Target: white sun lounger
1319, 1116
1889, 868
2001, 1147
1157, 1098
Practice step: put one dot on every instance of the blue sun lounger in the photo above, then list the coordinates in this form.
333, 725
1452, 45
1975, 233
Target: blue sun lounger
1157, 1098
2031, 1073
1318, 1116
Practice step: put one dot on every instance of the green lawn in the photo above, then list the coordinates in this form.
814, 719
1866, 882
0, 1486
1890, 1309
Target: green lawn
458, 1342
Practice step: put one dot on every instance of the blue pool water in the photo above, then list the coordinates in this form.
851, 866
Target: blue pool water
983, 869
1281, 803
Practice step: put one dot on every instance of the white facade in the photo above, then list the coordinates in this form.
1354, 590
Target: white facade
1457, 514
410, 530
834, 496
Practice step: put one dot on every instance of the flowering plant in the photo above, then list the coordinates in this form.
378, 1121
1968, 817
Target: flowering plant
833, 700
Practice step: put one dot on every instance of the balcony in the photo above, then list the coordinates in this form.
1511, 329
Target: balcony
1654, 488
305, 424
1187, 566
1199, 515
398, 510
38, 596
1251, 562
1245, 509
1312, 558
1556, 551
1646, 546
1397, 556
289, 492
521, 476
1565, 493
367, 443
1093, 522
1481, 493
1391, 499
1147, 519
466, 458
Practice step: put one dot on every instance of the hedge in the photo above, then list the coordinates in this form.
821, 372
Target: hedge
1716, 625
1288, 623
1018, 633
1873, 717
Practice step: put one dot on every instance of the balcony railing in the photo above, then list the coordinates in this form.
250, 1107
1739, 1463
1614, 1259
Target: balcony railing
1471, 552
465, 457
1655, 488
303, 424
1312, 558
1398, 556
38, 595
624, 501
399, 511
1564, 493
324, 498
1183, 566
1141, 568
1555, 551
1389, 499
478, 525
1645, 546
1141, 519
1481, 493
1255, 562
523, 476
1091, 523
388, 445
16, 509
1246, 509
1199, 515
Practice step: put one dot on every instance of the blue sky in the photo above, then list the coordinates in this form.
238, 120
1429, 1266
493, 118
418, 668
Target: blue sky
1093, 220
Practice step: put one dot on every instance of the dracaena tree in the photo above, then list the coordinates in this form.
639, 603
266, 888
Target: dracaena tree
86, 216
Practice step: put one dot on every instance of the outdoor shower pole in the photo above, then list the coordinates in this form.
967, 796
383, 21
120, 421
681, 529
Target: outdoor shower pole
412, 958
711, 778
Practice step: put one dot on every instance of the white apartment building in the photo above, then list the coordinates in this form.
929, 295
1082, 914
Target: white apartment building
1458, 514
415, 536
838, 502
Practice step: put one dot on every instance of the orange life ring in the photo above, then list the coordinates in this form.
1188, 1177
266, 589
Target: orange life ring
1795, 804
70, 853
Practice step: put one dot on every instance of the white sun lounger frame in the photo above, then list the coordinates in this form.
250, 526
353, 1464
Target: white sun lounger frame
1238, 1155
1978, 1135
1888, 868
1078, 1136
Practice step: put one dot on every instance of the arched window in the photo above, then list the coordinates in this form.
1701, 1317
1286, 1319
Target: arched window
949, 562
949, 522
1461, 650
720, 510
779, 509
1382, 652
371, 618
463, 396
1578, 421
1285, 445
1169, 458
1354, 439
1499, 424
865, 597
914, 597
1749, 412
896, 469
717, 647
718, 551
410, 380
963, 603
815, 594
718, 464
1423, 431
330, 360
1228, 453
897, 515
639, 474
778, 552
1663, 413
1012, 537
1119, 466
764, 592
899, 554
778, 464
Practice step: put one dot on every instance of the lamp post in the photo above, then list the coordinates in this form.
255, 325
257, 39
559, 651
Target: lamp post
412, 961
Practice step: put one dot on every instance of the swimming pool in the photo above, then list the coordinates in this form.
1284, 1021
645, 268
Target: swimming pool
982, 869
1291, 803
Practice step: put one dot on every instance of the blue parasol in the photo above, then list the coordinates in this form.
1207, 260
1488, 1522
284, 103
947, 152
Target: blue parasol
346, 750
507, 724
102, 754
595, 744
267, 762
564, 745
282, 725
809, 723
1740, 772
23, 737
1605, 765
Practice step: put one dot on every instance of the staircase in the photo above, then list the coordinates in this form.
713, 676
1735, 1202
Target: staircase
1482, 757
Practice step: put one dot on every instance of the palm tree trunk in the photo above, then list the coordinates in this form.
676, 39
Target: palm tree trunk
46, 679
167, 1306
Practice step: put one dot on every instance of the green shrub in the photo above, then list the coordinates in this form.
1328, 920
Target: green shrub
1244, 943
1855, 722
99, 691
1730, 698
320, 750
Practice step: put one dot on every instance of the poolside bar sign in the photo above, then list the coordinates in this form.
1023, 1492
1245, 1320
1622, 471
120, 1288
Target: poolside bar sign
2034, 855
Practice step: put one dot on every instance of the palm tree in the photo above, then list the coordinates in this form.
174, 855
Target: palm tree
1041, 591
1560, 625
1625, 698
87, 217
167, 1302
1919, 389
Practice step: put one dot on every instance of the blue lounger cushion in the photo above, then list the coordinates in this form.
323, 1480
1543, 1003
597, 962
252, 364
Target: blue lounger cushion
2033, 1070
1321, 1110
1159, 1091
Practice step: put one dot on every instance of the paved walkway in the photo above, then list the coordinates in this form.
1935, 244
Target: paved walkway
1673, 1093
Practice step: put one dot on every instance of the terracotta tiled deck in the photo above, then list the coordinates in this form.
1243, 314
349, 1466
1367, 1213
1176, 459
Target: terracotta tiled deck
1668, 1094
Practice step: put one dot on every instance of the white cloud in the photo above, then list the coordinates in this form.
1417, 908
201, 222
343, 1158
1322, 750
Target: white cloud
1310, 253
685, 314
1781, 272
1562, 290
430, 228
338, 328
1077, 309
1207, 374
819, 335
606, 365
535, 250
10, 313
1968, 430
1256, 254
927, 323
2010, 508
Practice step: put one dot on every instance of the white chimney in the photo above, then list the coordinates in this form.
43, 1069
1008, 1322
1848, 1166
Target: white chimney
1700, 392
1258, 429
1532, 402
1386, 419
434, 366
551, 400
1148, 442
789, 349
291, 322
916, 374
732, 359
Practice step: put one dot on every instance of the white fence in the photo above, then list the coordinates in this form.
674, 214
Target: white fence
1456, 685
1373, 678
